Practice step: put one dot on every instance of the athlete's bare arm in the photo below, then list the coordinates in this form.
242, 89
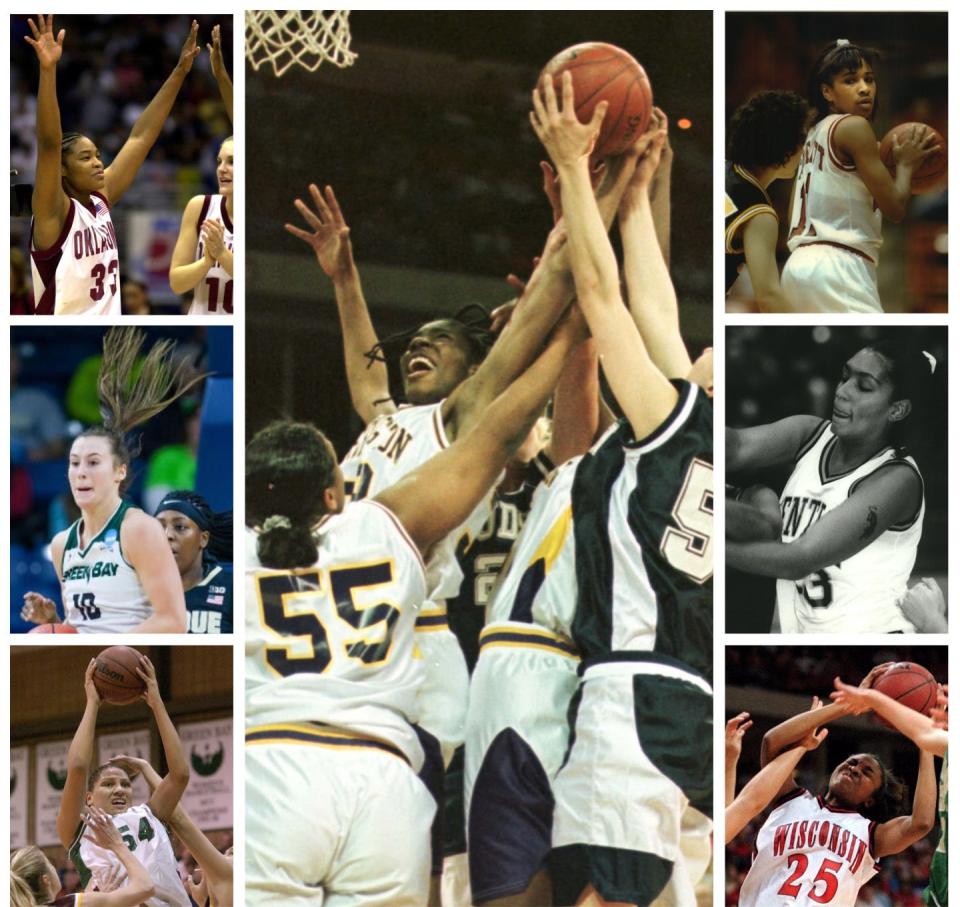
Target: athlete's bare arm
760, 235
185, 272
146, 130
329, 237
219, 69
732, 745
147, 551
79, 759
50, 202
660, 199
768, 445
889, 496
898, 834
576, 405
138, 887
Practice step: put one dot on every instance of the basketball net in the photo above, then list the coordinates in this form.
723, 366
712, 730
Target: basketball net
306, 37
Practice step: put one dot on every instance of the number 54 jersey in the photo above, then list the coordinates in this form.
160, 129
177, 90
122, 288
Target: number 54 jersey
333, 643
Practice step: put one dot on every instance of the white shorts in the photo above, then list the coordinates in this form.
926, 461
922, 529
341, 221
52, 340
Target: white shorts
825, 278
332, 823
642, 753
442, 696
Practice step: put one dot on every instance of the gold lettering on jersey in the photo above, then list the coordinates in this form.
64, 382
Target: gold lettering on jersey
387, 436
85, 571
817, 833
799, 514
94, 240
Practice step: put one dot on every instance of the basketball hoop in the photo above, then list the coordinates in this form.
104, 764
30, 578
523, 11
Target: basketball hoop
306, 37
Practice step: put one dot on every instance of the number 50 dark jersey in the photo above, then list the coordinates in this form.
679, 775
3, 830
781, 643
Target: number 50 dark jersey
643, 526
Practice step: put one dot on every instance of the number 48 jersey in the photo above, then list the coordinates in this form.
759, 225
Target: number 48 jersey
334, 643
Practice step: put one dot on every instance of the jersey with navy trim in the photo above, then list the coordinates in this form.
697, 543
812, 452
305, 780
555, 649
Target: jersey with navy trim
80, 273
210, 602
147, 839
831, 203
334, 642
481, 561
643, 528
101, 591
744, 199
805, 850
859, 594
214, 294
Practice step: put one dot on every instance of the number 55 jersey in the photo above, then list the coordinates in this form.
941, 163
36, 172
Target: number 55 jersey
333, 644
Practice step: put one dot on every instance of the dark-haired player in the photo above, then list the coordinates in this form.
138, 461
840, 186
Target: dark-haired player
764, 141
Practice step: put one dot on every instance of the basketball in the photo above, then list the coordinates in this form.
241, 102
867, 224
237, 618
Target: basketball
910, 684
603, 72
115, 675
53, 628
931, 172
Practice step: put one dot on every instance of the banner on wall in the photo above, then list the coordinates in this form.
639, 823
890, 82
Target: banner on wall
127, 743
19, 779
51, 775
209, 795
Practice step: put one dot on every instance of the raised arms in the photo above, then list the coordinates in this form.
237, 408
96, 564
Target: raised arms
220, 73
79, 758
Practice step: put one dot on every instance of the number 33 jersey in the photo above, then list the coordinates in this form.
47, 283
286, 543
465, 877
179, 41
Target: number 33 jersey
809, 853
334, 643
859, 594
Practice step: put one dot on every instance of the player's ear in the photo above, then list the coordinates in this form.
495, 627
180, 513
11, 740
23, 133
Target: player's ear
899, 410
204, 539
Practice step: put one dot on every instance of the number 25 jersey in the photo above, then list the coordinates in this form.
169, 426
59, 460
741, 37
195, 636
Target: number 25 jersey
334, 642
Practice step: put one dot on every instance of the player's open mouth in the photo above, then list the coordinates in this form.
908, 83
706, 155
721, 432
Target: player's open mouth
840, 414
419, 365
118, 801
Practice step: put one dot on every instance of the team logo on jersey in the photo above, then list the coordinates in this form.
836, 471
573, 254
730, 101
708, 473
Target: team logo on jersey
207, 763
110, 539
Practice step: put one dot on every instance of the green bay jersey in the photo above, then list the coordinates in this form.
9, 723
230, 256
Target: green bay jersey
643, 530
101, 591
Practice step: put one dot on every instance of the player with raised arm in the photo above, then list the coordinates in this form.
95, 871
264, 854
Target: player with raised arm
202, 259
843, 189
852, 510
109, 788
114, 564
76, 264
642, 525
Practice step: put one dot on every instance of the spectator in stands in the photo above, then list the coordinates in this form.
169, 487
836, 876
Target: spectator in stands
38, 428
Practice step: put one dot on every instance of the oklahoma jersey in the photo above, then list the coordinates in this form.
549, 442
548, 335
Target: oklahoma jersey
831, 203
146, 838
809, 853
334, 643
214, 294
859, 594
80, 273
101, 591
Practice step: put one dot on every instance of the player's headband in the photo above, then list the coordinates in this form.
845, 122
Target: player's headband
187, 509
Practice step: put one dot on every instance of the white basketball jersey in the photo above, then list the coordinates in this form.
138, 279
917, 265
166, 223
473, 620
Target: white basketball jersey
860, 594
831, 203
101, 591
334, 643
80, 273
392, 446
146, 837
809, 853
214, 294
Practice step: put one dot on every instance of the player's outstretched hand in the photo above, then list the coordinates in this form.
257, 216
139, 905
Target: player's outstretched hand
190, 51
38, 609
114, 878
925, 607
147, 673
855, 700
48, 48
733, 735
566, 139
814, 739
89, 687
214, 48
101, 829
196, 890
874, 673
211, 232
917, 145
647, 151
330, 239
132, 765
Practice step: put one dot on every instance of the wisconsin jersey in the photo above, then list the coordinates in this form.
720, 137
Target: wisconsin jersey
643, 530
334, 643
80, 273
210, 602
214, 294
101, 591
743, 200
809, 853
146, 837
831, 203
859, 594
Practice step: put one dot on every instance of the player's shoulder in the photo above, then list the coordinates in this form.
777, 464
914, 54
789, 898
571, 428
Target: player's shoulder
367, 525
852, 132
196, 204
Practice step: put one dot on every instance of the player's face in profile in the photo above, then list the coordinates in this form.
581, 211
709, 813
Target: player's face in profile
861, 403
853, 91
82, 167
337, 489
225, 168
112, 792
855, 780
437, 359
186, 539
93, 473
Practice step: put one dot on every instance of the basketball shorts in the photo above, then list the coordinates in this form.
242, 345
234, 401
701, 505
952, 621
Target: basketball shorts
641, 754
517, 734
333, 820
824, 278
442, 697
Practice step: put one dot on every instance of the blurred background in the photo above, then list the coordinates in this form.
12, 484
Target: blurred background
53, 397
427, 142
774, 372
773, 683
777, 51
111, 68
